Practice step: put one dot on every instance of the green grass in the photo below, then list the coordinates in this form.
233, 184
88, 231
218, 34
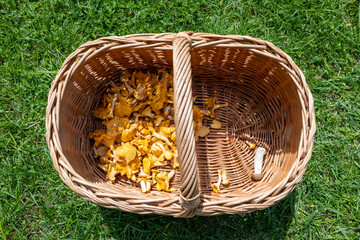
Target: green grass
322, 37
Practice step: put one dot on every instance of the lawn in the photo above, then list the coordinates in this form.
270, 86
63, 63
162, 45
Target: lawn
322, 37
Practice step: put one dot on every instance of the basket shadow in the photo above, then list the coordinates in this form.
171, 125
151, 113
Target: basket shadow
272, 223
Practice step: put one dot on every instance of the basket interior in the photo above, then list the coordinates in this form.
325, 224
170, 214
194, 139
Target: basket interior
264, 108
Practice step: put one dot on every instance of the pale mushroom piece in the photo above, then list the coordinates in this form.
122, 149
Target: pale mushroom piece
216, 186
251, 145
158, 136
205, 112
156, 150
139, 134
219, 179
224, 179
131, 101
143, 175
113, 85
160, 164
96, 152
143, 186
215, 124
258, 162
128, 87
201, 130
111, 114
169, 176
112, 174
217, 106
158, 120
147, 113
168, 154
167, 110
140, 92
148, 186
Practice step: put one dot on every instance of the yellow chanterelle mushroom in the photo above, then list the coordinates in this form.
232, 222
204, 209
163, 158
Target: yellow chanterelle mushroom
138, 140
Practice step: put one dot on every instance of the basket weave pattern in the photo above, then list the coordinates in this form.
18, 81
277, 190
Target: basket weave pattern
269, 101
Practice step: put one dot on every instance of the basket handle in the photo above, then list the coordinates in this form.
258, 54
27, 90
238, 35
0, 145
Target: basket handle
185, 141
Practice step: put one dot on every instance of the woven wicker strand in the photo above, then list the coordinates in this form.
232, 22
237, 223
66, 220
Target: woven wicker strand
269, 101
189, 189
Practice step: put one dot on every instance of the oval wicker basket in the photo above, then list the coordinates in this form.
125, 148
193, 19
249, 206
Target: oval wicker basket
269, 104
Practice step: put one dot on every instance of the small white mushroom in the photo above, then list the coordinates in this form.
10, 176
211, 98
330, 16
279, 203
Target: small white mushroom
258, 162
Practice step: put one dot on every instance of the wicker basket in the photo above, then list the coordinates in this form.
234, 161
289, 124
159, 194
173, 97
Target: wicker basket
269, 104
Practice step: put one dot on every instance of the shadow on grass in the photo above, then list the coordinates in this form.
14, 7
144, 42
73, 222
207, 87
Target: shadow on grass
272, 222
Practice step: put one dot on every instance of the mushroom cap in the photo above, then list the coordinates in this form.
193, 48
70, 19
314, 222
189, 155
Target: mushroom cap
256, 176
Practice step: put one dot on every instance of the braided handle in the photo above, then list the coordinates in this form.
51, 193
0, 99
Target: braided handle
185, 141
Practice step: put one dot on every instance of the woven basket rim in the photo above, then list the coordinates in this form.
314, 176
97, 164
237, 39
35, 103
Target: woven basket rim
209, 204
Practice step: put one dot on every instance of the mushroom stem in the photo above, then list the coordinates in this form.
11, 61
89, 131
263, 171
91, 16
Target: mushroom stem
224, 179
143, 186
250, 144
171, 174
111, 114
128, 87
158, 136
131, 101
168, 155
114, 85
167, 110
205, 112
148, 186
258, 162
220, 105
219, 179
